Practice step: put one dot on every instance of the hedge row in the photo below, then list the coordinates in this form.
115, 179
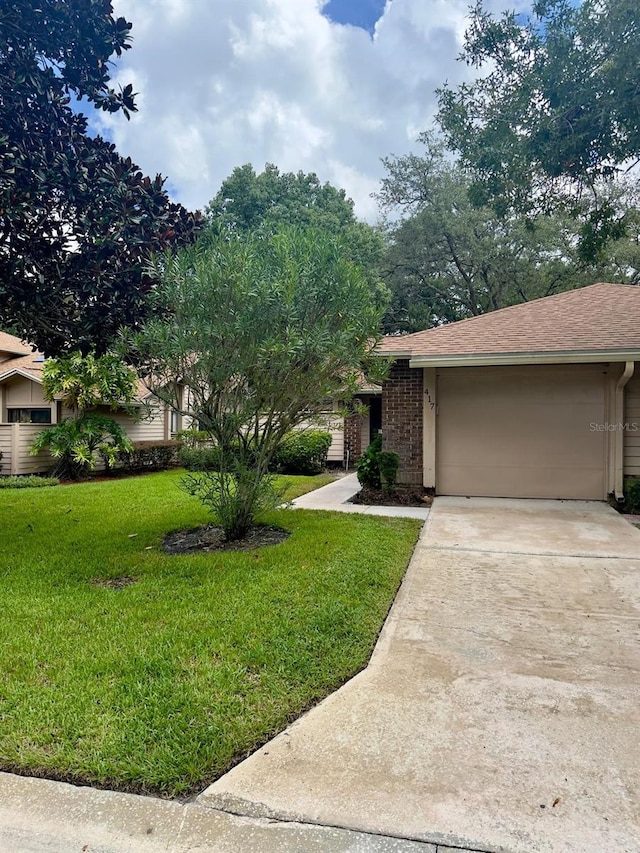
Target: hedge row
27, 481
146, 456
300, 453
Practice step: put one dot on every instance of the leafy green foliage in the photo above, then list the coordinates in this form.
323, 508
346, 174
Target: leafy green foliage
367, 466
75, 442
77, 220
447, 259
559, 107
236, 496
632, 495
247, 201
192, 438
200, 458
263, 330
143, 456
29, 481
85, 381
388, 463
303, 452
272, 200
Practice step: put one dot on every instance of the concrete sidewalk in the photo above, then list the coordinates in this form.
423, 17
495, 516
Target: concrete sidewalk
336, 497
501, 708
38, 816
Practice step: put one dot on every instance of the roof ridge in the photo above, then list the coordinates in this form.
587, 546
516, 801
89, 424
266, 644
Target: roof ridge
604, 318
517, 305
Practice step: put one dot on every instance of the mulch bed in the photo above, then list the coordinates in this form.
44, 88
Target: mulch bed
400, 497
210, 538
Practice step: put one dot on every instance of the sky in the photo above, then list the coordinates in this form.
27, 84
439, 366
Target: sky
325, 87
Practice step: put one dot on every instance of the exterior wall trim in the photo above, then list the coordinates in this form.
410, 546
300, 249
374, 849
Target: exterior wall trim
618, 435
16, 371
499, 359
429, 421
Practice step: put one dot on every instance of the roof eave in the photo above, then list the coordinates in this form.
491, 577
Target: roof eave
393, 355
19, 371
515, 358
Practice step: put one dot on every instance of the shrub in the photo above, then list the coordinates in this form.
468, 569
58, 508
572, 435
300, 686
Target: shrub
367, 466
193, 438
210, 458
632, 496
149, 455
237, 498
303, 452
75, 442
199, 458
29, 481
388, 462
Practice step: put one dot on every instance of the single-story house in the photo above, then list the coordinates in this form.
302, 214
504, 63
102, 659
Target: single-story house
538, 400
25, 412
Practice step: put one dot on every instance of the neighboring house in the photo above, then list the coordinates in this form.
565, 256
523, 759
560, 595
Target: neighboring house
24, 410
538, 400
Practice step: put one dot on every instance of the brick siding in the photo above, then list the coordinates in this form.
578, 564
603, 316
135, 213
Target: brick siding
352, 438
402, 405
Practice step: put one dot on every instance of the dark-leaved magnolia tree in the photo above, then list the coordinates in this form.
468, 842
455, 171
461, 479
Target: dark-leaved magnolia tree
77, 220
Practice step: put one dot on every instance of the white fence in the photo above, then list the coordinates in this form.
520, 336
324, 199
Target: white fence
15, 441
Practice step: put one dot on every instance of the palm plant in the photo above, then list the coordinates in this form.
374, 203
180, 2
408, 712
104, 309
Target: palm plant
74, 443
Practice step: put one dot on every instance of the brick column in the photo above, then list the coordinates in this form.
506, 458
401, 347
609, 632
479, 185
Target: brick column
402, 414
352, 438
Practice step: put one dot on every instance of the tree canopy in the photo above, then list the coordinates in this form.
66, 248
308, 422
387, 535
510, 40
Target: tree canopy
558, 110
447, 259
247, 200
77, 220
270, 200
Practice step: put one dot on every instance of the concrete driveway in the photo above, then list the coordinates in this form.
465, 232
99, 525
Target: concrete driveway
501, 708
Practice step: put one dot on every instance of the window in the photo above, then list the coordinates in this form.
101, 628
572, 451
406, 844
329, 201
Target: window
176, 422
29, 416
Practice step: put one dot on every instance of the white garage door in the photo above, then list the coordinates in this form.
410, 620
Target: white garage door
521, 432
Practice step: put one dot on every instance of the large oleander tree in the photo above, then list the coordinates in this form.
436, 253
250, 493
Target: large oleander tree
259, 332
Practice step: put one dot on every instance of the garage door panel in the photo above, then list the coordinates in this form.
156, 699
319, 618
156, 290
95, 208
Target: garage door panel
515, 432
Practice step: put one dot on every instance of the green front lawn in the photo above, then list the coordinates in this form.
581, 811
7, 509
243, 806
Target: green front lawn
126, 668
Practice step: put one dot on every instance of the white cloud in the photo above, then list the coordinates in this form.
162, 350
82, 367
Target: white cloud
226, 82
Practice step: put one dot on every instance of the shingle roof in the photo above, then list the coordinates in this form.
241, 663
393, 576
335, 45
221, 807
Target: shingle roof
31, 364
601, 317
13, 345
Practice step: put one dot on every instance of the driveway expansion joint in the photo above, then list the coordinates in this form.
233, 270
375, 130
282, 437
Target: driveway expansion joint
424, 843
580, 555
